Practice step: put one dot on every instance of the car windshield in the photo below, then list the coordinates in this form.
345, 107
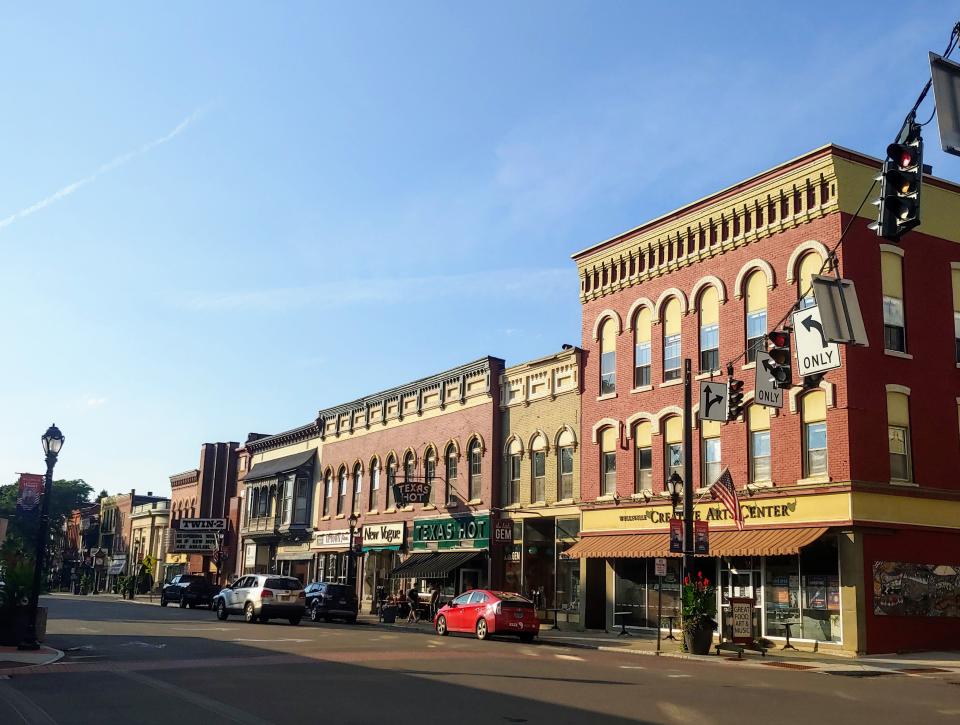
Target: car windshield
282, 583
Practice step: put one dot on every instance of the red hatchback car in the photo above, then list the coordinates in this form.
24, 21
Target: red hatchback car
487, 612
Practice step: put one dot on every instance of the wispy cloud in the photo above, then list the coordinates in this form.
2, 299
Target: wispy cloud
103, 169
94, 402
513, 283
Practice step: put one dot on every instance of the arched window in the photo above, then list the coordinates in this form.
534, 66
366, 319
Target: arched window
538, 468
709, 329
608, 461
809, 266
264, 501
710, 452
671, 339
327, 493
409, 466
451, 486
756, 304
254, 504
673, 447
391, 481
608, 357
641, 348
430, 466
894, 321
475, 455
898, 433
357, 487
511, 486
565, 446
643, 457
341, 490
374, 483
814, 417
758, 424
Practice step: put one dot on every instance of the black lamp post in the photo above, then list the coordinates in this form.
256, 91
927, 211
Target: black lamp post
351, 554
675, 486
52, 443
218, 557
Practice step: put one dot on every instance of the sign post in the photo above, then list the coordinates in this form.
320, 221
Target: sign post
661, 569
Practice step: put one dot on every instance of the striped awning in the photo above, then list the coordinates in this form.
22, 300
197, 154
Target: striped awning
431, 566
750, 542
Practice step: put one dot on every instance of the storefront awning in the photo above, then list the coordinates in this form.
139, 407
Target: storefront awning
750, 542
434, 565
269, 469
392, 547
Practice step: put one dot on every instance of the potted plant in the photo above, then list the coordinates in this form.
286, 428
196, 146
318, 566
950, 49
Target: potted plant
15, 603
699, 609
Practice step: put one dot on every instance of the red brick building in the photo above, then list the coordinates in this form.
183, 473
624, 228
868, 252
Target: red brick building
849, 491
203, 492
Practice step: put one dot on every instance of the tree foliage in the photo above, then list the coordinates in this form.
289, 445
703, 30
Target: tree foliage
22, 530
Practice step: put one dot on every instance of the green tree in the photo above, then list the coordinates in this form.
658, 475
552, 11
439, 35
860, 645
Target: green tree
22, 530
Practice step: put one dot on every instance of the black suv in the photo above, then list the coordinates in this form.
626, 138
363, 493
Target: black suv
326, 601
191, 590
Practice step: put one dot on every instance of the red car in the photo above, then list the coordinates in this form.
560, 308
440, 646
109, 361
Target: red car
487, 612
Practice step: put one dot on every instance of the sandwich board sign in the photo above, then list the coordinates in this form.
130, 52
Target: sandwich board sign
713, 401
765, 390
815, 353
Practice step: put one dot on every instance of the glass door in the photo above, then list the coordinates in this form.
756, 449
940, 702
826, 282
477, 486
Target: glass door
740, 577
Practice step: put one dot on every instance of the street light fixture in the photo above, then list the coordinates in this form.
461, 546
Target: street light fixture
675, 486
351, 554
52, 443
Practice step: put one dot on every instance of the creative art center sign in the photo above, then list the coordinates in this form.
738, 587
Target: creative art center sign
453, 532
767, 512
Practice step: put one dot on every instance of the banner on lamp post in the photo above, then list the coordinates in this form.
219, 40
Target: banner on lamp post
29, 490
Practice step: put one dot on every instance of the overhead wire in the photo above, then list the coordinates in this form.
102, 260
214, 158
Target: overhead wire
831, 263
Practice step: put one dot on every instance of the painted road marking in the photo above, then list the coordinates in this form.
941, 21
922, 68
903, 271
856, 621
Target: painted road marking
207, 703
632, 667
272, 640
569, 657
678, 675
143, 644
29, 711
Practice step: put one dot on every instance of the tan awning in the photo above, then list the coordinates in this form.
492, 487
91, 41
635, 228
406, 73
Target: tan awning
750, 542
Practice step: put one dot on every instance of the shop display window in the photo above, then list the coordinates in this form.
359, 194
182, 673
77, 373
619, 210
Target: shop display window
804, 590
636, 590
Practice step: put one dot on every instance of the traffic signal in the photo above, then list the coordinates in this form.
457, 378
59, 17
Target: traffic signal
812, 381
900, 182
781, 355
734, 398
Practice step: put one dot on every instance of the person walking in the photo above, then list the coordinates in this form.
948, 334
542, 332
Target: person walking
413, 597
434, 601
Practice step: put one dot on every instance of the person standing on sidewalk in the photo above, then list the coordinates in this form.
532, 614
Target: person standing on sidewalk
434, 601
413, 597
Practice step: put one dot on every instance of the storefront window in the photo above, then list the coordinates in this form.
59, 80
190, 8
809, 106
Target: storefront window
568, 570
637, 591
539, 560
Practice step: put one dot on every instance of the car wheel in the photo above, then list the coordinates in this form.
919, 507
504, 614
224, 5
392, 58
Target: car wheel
163, 602
248, 614
482, 629
294, 621
222, 611
526, 638
441, 626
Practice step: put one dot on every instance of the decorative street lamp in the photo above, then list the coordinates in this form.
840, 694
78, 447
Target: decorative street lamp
351, 554
218, 556
52, 443
675, 486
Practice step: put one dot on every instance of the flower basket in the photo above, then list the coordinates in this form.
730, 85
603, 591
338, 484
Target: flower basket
698, 609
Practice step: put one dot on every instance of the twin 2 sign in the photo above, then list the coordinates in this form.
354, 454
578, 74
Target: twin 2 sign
815, 354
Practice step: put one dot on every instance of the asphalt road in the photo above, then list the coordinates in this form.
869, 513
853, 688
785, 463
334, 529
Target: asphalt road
128, 662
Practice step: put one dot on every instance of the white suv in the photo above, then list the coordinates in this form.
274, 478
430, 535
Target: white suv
260, 597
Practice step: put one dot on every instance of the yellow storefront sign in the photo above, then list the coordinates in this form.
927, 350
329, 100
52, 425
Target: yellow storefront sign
177, 559
817, 509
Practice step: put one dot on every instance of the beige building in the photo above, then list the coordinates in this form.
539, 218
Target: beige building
149, 524
540, 480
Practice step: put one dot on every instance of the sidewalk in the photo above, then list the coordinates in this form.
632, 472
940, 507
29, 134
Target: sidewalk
12, 657
645, 644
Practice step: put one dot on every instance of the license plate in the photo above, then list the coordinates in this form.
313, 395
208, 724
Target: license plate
284, 596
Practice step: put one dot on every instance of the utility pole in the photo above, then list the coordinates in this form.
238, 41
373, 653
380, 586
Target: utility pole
687, 469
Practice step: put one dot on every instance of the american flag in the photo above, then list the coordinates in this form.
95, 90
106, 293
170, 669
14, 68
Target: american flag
723, 490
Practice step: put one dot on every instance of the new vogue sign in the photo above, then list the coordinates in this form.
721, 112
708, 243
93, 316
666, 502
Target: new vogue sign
382, 535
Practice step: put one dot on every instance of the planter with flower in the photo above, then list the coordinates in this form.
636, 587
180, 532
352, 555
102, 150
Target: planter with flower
699, 610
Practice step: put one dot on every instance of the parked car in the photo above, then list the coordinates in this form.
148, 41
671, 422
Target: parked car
189, 590
261, 597
326, 601
485, 612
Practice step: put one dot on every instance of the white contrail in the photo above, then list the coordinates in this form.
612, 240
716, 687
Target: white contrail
109, 166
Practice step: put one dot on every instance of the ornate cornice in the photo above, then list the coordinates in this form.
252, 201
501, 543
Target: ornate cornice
301, 433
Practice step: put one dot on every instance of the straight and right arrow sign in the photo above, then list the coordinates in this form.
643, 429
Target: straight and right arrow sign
815, 354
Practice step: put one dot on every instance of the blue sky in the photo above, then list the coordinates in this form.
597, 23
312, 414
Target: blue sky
217, 218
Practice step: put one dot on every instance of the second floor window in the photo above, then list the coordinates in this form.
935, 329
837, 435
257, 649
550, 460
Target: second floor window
898, 436
758, 422
756, 306
342, 491
566, 473
512, 494
894, 324
608, 461
671, 339
391, 482
374, 483
711, 452
814, 417
476, 470
301, 502
539, 476
451, 484
357, 488
709, 329
608, 357
327, 493
641, 349
643, 457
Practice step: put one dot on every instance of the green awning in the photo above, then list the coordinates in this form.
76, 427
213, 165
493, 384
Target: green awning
394, 547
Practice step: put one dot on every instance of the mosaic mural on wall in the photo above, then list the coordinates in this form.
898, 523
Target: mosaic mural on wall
918, 590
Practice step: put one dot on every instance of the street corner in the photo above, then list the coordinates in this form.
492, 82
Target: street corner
12, 658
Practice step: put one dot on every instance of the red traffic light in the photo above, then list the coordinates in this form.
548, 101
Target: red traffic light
735, 386
903, 155
779, 338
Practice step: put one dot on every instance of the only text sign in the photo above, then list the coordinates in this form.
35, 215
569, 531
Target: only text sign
815, 353
765, 390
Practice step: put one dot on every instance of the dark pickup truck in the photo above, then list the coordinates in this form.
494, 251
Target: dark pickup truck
189, 590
